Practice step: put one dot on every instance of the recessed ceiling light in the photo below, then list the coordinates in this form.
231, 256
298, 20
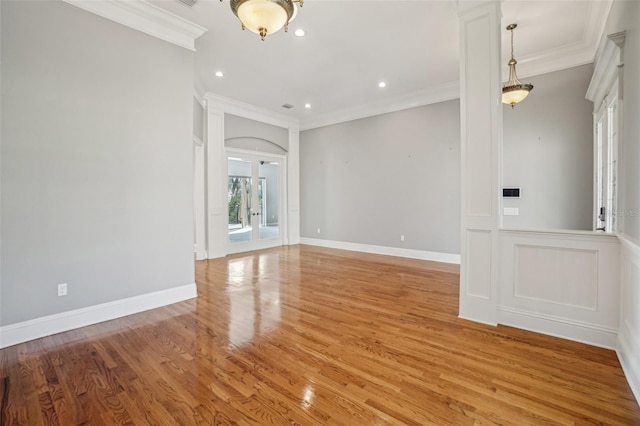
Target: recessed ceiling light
219, 74
300, 32
307, 106
382, 84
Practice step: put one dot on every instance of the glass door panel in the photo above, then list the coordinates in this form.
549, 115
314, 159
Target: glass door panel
268, 199
253, 196
239, 197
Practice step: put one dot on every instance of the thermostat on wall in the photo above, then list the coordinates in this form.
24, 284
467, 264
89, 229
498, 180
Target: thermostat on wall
510, 192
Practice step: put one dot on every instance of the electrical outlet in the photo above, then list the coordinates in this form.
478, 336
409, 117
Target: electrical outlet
62, 289
402, 237
318, 230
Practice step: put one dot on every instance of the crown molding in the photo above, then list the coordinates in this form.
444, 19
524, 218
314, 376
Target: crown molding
567, 56
570, 55
147, 18
445, 92
608, 64
465, 6
252, 112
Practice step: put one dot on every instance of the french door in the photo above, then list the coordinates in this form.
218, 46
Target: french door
254, 184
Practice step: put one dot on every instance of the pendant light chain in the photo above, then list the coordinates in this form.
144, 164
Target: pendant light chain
511, 43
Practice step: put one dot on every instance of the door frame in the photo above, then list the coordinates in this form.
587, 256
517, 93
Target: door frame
282, 204
217, 107
605, 174
605, 90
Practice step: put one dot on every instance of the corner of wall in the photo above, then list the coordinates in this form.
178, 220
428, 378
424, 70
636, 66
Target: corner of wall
628, 349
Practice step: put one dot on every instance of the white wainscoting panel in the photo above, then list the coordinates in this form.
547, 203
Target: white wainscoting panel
570, 276
629, 334
478, 263
562, 284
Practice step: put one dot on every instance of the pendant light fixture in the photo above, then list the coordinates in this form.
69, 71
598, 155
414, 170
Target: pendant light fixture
514, 91
265, 17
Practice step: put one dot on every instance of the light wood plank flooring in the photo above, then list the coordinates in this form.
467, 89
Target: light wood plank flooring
311, 336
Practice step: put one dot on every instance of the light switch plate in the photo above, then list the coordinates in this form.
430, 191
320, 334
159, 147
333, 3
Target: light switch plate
511, 211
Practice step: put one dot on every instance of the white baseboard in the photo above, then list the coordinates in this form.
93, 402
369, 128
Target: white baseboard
45, 326
630, 364
559, 327
389, 251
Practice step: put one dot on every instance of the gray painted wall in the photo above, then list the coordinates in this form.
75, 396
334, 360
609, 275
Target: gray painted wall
625, 15
96, 161
368, 181
255, 136
255, 144
548, 153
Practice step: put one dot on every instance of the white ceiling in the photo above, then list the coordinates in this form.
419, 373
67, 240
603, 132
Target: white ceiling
351, 45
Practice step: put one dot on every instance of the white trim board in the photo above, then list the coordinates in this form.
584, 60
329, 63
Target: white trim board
630, 366
52, 324
388, 251
631, 245
576, 331
251, 112
628, 336
606, 69
147, 18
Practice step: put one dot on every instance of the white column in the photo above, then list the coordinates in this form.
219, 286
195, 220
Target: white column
216, 183
481, 139
293, 187
199, 197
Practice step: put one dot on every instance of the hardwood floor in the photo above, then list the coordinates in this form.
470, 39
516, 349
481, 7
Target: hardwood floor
304, 335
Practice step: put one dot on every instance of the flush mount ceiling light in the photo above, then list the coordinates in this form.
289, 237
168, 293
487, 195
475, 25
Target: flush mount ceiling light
514, 91
265, 16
